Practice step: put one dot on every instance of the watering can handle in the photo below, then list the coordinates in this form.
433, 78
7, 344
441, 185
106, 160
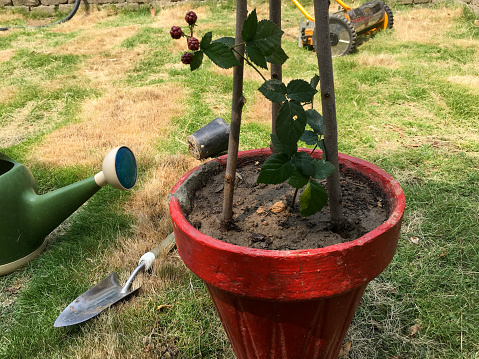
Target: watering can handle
162, 248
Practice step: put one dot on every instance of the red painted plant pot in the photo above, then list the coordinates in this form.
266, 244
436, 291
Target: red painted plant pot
289, 304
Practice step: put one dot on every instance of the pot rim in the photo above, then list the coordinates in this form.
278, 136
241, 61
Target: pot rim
377, 175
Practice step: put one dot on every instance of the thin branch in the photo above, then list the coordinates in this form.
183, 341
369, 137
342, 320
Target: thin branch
249, 63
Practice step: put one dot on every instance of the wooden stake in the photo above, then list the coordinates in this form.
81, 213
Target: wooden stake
238, 102
325, 65
276, 70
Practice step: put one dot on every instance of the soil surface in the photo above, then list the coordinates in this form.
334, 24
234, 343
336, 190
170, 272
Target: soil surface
263, 218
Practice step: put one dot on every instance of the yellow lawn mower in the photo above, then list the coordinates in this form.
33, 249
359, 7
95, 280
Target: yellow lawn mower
346, 24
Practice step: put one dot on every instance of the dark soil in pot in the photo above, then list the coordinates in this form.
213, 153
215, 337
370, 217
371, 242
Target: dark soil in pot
263, 217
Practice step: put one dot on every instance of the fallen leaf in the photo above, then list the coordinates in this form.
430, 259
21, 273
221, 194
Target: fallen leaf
414, 239
278, 207
414, 330
345, 349
14, 289
443, 254
163, 306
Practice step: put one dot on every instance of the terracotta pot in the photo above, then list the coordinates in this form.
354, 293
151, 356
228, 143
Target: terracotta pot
289, 304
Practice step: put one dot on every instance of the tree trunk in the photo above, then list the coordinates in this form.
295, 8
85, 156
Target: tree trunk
236, 109
325, 65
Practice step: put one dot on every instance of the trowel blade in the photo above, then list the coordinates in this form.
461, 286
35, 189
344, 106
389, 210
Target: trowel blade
92, 302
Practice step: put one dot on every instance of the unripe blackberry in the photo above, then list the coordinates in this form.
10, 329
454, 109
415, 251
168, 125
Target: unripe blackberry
187, 58
193, 43
191, 17
176, 32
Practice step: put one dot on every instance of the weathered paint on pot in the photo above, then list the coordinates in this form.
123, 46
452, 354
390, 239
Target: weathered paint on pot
290, 304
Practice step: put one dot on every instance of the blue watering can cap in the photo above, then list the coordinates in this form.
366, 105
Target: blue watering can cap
125, 166
119, 169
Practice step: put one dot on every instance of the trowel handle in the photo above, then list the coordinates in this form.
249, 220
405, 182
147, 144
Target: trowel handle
162, 248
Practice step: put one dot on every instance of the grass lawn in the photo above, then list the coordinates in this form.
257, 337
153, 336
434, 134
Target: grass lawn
407, 100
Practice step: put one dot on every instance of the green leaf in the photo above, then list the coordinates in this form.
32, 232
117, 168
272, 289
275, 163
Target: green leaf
276, 169
274, 90
197, 60
221, 55
267, 37
206, 40
304, 163
313, 199
229, 41
315, 121
300, 91
256, 55
290, 124
297, 179
314, 81
279, 146
322, 169
310, 138
249, 27
279, 57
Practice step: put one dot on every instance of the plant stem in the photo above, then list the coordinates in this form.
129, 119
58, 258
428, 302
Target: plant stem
325, 65
294, 197
248, 62
238, 102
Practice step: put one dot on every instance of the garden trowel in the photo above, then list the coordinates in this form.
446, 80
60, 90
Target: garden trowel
108, 291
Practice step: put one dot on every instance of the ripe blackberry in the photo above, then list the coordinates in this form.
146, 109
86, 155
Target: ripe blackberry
193, 43
191, 17
187, 58
176, 32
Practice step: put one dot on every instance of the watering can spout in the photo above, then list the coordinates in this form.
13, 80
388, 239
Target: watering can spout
26, 218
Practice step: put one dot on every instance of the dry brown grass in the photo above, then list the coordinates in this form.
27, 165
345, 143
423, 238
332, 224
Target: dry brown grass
175, 15
467, 80
381, 60
104, 70
6, 55
82, 20
8, 93
258, 110
424, 26
149, 205
135, 117
97, 41
18, 126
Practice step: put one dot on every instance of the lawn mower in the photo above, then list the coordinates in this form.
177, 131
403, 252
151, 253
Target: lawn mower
346, 24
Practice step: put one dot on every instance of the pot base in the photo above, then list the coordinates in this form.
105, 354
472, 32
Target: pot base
287, 330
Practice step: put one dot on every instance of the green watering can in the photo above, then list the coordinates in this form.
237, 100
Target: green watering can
26, 218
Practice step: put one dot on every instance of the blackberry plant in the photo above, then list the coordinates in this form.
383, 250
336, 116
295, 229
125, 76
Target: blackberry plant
262, 43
